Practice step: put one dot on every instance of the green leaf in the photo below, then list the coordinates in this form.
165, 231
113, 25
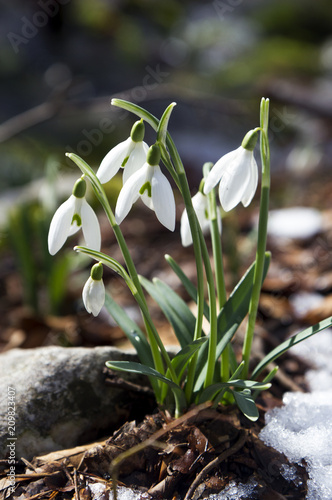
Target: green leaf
210, 393
188, 285
230, 318
132, 367
163, 123
182, 358
202, 356
295, 339
131, 330
267, 379
246, 404
174, 308
237, 305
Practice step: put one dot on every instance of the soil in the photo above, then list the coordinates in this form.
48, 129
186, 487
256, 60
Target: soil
206, 449
188, 458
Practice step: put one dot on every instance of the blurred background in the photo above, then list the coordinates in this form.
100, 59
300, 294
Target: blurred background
61, 61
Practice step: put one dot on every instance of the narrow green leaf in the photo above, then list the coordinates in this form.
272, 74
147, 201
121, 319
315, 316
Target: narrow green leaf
132, 367
295, 339
163, 123
210, 393
188, 285
174, 308
131, 330
230, 318
202, 356
267, 379
237, 305
182, 358
246, 404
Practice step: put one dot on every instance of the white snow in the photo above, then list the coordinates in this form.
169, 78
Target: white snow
302, 428
97, 491
295, 222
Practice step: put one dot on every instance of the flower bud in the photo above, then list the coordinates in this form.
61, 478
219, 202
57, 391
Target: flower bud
250, 140
79, 188
138, 131
153, 156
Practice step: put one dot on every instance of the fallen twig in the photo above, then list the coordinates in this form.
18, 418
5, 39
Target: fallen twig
214, 463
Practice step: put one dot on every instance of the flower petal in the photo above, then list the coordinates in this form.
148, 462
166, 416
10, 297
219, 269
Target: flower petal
130, 193
163, 199
90, 227
252, 184
136, 160
114, 159
60, 225
93, 296
201, 206
235, 180
186, 238
218, 169
74, 227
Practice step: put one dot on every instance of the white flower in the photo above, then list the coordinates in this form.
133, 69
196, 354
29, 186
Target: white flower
130, 154
152, 186
73, 214
237, 173
200, 205
93, 294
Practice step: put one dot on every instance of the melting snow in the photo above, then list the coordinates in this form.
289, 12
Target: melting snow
295, 222
302, 428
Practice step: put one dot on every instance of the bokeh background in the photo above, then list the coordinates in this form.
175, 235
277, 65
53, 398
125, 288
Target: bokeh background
61, 62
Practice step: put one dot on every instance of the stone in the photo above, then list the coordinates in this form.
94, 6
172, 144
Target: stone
55, 398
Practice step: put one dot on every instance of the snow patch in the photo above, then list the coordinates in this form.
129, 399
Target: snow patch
302, 428
295, 222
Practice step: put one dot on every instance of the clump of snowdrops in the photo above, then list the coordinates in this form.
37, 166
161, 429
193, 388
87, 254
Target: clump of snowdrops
205, 367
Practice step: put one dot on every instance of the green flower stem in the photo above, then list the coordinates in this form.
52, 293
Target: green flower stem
262, 235
100, 193
218, 266
216, 243
201, 252
211, 362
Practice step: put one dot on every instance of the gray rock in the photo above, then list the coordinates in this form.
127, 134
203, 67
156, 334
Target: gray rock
60, 397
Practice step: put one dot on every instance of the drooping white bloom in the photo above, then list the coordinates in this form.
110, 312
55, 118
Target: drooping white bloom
74, 214
152, 186
129, 154
200, 205
93, 294
237, 174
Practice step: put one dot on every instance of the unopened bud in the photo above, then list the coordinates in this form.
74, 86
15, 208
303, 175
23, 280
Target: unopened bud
79, 188
250, 139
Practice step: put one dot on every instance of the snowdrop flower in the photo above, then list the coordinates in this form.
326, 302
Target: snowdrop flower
93, 294
152, 186
129, 154
237, 173
200, 204
73, 214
